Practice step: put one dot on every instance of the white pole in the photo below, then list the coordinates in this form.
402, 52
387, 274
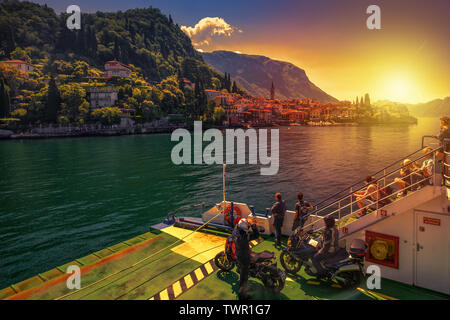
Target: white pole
223, 179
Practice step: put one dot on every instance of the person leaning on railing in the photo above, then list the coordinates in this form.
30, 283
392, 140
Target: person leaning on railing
443, 135
427, 167
410, 176
368, 197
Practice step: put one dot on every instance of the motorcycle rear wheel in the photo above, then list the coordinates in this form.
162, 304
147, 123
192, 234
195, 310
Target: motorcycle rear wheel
222, 262
352, 279
274, 285
290, 263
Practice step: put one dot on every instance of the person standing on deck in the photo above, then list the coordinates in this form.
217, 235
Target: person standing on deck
278, 210
301, 212
241, 239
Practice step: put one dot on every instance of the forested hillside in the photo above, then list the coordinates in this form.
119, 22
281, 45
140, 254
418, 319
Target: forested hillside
156, 49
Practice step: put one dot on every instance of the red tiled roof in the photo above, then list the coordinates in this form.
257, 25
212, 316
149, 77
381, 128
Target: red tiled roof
15, 61
114, 62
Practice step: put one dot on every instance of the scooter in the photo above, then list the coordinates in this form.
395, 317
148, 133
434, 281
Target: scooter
263, 266
345, 267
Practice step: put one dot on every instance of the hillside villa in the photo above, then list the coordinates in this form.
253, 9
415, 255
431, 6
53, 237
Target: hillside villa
117, 69
102, 97
21, 65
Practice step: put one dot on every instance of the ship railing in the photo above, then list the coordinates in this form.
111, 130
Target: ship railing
329, 201
343, 209
446, 163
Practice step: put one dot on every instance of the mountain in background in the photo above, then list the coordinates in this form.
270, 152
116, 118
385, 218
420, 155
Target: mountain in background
435, 108
255, 75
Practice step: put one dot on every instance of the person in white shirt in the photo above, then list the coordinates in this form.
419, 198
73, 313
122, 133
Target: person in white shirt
427, 166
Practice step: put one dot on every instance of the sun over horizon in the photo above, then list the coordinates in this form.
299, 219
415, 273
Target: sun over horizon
405, 61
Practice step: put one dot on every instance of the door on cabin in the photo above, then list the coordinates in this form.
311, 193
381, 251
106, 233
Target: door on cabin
432, 251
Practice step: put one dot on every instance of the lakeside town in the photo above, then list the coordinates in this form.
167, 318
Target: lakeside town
229, 109
138, 72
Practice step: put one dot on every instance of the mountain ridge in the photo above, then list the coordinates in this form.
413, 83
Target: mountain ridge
433, 108
255, 73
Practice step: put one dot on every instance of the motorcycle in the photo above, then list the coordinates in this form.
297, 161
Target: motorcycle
345, 267
263, 266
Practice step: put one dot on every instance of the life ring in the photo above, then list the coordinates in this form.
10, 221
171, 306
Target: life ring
228, 215
379, 250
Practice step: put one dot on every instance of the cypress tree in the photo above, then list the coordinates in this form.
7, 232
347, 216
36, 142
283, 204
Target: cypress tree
4, 99
367, 100
116, 49
53, 101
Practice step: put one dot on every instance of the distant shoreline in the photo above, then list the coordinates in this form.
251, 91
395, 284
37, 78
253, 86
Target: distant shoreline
112, 132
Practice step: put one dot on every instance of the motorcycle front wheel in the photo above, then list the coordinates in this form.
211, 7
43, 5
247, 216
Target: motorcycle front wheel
290, 263
222, 262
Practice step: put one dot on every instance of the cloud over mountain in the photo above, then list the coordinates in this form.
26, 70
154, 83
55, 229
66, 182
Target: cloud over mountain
209, 30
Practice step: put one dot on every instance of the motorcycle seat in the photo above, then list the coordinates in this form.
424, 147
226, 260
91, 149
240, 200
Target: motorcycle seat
340, 255
262, 256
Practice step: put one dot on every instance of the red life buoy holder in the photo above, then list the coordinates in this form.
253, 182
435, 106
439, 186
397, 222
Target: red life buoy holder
228, 216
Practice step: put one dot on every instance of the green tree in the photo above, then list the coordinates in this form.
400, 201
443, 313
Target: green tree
74, 104
20, 54
20, 113
219, 115
80, 69
53, 103
107, 115
4, 99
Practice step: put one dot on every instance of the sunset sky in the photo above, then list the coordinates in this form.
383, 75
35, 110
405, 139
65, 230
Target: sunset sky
406, 61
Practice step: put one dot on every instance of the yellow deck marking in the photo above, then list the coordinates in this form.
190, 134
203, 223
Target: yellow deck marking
290, 279
201, 246
164, 295
377, 294
199, 274
177, 289
208, 268
313, 282
188, 281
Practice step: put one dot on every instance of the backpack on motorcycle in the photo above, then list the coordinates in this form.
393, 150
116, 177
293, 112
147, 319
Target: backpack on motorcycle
358, 248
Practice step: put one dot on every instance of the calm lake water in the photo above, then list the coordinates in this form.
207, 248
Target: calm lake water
65, 198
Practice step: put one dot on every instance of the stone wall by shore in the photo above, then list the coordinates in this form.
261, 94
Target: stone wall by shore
42, 132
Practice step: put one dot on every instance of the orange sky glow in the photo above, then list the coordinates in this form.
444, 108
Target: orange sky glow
406, 61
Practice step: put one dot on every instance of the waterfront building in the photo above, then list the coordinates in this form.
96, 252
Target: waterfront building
211, 94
